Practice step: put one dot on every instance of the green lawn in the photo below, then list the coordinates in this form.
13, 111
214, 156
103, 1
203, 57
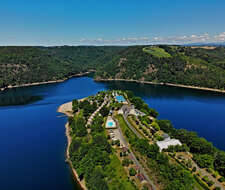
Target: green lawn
122, 123
128, 133
117, 176
156, 51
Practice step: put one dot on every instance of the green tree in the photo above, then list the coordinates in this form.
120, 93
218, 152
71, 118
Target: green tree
153, 112
132, 172
219, 162
104, 111
204, 160
155, 125
126, 162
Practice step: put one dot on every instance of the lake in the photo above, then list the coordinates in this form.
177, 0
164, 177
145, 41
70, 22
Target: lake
33, 140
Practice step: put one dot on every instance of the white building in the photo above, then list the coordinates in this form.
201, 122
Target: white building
130, 110
167, 142
136, 112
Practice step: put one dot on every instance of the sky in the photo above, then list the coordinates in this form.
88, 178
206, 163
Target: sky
111, 22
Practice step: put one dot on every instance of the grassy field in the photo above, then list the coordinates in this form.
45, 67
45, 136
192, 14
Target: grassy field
128, 133
118, 178
156, 51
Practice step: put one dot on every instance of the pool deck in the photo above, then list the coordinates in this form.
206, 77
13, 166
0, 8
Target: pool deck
120, 99
110, 119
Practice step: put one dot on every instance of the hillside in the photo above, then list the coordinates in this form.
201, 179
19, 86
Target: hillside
203, 67
21, 65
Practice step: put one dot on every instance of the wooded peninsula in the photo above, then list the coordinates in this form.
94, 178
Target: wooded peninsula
115, 141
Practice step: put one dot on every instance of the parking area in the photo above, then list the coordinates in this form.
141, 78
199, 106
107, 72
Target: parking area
116, 135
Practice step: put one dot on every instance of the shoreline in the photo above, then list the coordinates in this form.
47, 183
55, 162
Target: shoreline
67, 109
107, 80
161, 83
47, 82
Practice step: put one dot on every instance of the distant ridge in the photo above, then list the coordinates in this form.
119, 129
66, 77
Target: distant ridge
206, 44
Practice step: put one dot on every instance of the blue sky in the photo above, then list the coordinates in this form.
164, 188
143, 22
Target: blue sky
98, 22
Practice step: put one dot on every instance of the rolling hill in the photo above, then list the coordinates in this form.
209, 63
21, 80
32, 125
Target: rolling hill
184, 65
193, 66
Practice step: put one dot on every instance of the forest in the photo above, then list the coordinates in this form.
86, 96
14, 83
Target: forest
22, 65
168, 64
160, 64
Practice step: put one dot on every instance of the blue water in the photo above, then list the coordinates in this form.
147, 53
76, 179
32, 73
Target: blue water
120, 99
33, 140
110, 123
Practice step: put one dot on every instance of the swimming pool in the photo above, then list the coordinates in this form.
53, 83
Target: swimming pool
120, 99
110, 123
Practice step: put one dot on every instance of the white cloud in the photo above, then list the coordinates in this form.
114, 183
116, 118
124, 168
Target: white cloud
184, 39
119, 41
220, 37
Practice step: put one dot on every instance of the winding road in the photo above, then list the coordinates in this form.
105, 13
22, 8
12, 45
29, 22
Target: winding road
142, 170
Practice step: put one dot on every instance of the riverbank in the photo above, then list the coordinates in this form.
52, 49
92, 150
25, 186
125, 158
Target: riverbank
47, 82
166, 84
67, 110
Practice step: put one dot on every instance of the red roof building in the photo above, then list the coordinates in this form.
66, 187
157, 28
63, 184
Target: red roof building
141, 177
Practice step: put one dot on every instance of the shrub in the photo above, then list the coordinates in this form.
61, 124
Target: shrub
203, 160
132, 172
206, 179
155, 126
201, 183
194, 169
126, 162
117, 142
209, 170
210, 183
221, 179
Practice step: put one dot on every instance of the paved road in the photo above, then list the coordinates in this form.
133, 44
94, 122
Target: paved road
142, 170
131, 127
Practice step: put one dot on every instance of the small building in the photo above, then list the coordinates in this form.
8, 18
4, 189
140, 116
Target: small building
149, 186
125, 109
114, 139
165, 136
137, 168
136, 112
120, 111
130, 110
167, 142
110, 112
130, 157
124, 149
141, 177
